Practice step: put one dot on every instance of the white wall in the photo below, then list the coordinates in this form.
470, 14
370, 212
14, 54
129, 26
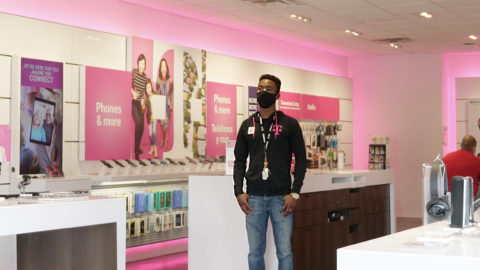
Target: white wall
246, 73
467, 89
400, 97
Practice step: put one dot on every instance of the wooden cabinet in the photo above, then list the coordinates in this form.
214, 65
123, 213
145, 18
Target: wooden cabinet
327, 220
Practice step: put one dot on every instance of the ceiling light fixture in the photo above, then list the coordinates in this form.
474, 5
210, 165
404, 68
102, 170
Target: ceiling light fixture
351, 32
300, 18
426, 15
473, 37
393, 45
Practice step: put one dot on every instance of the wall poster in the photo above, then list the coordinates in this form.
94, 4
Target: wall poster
107, 114
41, 117
221, 117
5, 143
194, 93
152, 95
252, 100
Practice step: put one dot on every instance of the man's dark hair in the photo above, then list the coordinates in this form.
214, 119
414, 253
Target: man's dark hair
140, 58
468, 143
276, 80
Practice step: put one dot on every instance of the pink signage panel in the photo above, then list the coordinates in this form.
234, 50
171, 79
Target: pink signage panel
108, 114
5, 142
221, 117
289, 103
320, 108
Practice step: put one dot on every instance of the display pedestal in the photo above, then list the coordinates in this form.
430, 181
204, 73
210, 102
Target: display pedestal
78, 234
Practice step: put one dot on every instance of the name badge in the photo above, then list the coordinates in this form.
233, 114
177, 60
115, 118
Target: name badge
251, 130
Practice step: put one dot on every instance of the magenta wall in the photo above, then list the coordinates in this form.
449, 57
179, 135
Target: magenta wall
455, 66
118, 17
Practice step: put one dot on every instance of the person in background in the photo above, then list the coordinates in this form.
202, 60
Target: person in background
269, 137
48, 125
463, 162
165, 87
38, 132
152, 123
139, 83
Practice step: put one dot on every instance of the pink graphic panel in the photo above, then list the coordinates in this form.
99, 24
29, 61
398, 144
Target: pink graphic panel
5, 141
289, 103
221, 117
108, 114
320, 108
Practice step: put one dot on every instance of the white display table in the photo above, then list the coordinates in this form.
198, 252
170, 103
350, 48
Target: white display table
434, 246
217, 234
21, 216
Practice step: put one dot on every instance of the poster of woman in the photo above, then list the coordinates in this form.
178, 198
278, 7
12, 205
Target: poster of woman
41, 117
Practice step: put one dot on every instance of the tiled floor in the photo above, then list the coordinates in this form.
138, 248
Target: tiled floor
177, 261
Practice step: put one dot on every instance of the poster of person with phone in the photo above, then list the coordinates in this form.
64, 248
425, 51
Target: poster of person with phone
41, 117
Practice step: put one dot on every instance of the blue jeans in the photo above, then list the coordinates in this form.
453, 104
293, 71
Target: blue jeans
265, 207
152, 132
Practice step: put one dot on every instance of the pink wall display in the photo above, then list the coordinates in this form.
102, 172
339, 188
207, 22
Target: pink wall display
5, 142
289, 103
41, 117
320, 108
157, 136
221, 117
108, 114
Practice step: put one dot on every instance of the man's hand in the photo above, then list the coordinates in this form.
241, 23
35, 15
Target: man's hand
288, 205
243, 203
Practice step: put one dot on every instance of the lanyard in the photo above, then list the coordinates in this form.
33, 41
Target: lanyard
267, 139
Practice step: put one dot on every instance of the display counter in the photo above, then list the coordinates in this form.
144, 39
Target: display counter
217, 234
66, 230
433, 246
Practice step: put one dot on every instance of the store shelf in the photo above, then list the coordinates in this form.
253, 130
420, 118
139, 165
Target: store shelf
158, 237
173, 175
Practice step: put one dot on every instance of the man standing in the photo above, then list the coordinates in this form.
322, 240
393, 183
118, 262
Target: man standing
139, 84
463, 162
269, 138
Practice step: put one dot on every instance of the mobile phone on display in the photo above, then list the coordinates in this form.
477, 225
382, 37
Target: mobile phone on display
153, 162
129, 162
181, 163
162, 161
108, 165
141, 162
210, 159
118, 163
191, 160
173, 162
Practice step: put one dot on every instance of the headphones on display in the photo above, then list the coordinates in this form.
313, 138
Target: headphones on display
438, 207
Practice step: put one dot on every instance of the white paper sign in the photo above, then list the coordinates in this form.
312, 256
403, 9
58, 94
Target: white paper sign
196, 105
159, 105
229, 156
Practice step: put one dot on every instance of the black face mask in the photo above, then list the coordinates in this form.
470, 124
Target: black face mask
265, 99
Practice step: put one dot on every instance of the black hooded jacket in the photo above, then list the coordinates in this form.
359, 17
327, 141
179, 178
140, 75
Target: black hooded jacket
285, 139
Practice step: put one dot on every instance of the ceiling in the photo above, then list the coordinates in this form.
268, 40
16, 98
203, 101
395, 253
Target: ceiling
447, 31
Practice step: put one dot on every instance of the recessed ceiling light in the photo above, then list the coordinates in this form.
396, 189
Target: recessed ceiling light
426, 15
473, 37
393, 45
298, 17
351, 32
